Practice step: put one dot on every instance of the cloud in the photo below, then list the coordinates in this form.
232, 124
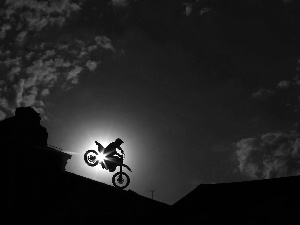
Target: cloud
2, 115
3, 86
21, 37
59, 62
268, 156
4, 103
49, 68
288, 1
204, 11
91, 65
45, 92
262, 93
19, 88
12, 62
104, 42
41, 72
28, 100
48, 53
29, 55
92, 48
5, 53
119, 3
284, 84
296, 80
5, 27
39, 14
188, 8
39, 66
73, 74
82, 53
41, 111
286, 101
13, 71
25, 98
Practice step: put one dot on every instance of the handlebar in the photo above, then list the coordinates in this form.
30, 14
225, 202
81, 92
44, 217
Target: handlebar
122, 155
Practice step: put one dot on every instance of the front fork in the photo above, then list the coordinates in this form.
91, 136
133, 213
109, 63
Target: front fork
120, 178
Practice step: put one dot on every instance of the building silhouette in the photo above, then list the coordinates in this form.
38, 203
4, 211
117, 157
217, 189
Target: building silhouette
24, 128
37, 190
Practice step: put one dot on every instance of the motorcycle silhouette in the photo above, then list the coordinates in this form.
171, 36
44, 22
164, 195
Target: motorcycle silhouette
92, 158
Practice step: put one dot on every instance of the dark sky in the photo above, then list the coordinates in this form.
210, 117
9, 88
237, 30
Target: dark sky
203, 91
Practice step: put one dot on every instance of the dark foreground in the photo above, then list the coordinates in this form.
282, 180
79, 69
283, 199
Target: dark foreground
39, 191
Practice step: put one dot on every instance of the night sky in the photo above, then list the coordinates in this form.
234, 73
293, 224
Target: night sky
200, 91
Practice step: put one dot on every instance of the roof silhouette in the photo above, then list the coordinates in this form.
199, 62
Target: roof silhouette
38, 190
248, 202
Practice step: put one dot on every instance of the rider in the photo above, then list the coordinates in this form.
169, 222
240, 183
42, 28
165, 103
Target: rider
110, 152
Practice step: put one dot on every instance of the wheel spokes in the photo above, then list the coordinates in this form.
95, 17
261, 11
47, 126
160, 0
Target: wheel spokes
121, 179
91, 158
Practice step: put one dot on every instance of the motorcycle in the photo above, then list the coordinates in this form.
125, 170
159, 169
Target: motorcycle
93, 158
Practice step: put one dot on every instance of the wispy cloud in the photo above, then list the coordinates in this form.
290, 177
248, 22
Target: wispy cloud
91, 65
39, 14
46, 66
104, 42
12, 61
21, 37
2, 115
268, 156
19, 92
73, 74
4, 29
262, 93
286, 93
284, 84
4, 104
45, 92
188, 8
288, 1
119, 3
13, 71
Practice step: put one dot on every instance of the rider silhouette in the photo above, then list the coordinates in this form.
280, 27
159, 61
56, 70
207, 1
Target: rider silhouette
110, 152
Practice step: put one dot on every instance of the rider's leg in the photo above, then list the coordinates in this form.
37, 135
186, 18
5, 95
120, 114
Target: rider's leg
112, 169
113, 163
110, 165
103, 165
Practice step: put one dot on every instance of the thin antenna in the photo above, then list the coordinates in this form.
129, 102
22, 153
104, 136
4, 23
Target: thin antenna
152, 194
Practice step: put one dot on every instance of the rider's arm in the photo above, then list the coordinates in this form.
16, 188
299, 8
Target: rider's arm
121, 149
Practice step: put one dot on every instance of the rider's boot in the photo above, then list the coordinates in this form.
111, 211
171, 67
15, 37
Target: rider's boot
112, 169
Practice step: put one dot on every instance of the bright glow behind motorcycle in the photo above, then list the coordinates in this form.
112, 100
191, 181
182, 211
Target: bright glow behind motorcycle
93, 158
101, 157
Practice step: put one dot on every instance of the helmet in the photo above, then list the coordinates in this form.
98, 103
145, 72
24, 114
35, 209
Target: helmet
119, 141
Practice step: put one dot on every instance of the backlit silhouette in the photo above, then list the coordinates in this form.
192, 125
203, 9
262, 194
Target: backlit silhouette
109, 159
23, 129
38, 190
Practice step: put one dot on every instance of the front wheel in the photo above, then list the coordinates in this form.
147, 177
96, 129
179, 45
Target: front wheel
120, 180
90, 158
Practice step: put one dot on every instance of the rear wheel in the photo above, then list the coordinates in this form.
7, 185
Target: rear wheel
90, 158
120, 180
